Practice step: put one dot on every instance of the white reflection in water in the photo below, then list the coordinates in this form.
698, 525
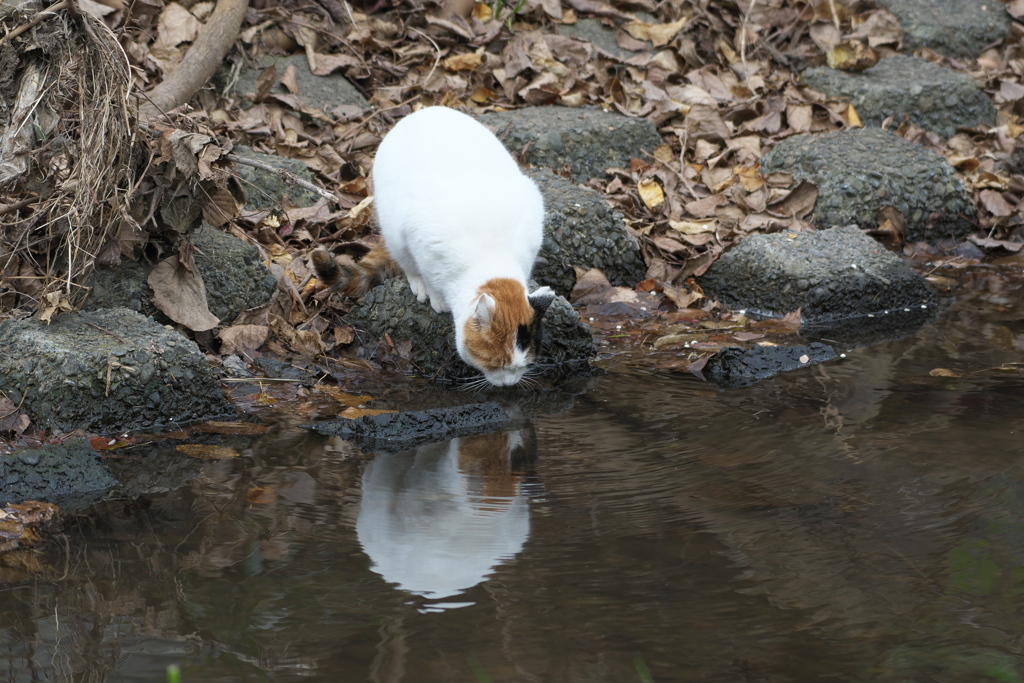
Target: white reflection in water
439, 520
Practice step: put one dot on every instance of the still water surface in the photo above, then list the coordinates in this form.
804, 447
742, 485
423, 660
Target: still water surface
857, 521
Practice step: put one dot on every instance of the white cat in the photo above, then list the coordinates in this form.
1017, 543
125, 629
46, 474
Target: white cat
465, 225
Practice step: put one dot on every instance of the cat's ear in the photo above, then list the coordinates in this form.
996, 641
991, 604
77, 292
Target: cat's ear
541, 299
483, 306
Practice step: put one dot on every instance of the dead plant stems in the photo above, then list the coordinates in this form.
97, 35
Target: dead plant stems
39, 16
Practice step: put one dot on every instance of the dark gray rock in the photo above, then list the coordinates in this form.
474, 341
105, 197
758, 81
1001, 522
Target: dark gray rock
235, 278
398, 431
68, 474
862, 170
957, 28
322, 93
580, 229
933, 97
735, 367
264, 189
61, 370
586, 140
126, 285
830, 274
391, 307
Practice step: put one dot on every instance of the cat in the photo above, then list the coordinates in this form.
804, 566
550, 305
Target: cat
465, 226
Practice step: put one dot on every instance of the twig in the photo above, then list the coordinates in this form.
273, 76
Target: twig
437, 58
40, 15
17, 206
288, 176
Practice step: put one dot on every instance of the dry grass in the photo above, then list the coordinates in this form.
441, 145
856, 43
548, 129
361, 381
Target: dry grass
71, 135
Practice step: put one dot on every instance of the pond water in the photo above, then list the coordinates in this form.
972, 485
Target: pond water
861, 520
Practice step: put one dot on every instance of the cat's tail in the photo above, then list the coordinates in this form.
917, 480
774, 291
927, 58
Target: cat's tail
355, 279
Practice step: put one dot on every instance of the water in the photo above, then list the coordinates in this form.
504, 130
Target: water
857, 521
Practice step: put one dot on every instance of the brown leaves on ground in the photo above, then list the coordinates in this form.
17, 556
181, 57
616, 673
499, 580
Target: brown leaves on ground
179, 291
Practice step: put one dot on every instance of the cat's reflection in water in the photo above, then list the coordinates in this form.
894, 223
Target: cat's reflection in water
438, 520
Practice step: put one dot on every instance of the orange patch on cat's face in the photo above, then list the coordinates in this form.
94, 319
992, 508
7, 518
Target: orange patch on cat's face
493, 346
488, 459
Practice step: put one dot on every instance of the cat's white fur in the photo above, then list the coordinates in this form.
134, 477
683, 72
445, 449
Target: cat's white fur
455, 211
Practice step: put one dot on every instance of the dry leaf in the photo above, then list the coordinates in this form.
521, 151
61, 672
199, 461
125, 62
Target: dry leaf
943, 372
995, 204
242, 339
261, 495
204, 452
229, 428
650, 192
176, 25
220, 207
852, 56
799, 202
12, 419
463, 62
658, 34
353, 413
179, 292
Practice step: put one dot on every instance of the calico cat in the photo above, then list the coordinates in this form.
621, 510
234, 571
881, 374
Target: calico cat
464, 225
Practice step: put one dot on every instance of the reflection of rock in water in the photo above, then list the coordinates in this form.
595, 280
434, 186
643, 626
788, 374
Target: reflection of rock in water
438, 520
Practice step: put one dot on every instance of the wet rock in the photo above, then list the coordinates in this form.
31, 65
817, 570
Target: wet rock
67, 474
567, 343
322, 93
739, 367
264, 189
933, 97
399, 431
580, 229
831, 275
235, 278
586, 140
862, 170
106, 371
957, 28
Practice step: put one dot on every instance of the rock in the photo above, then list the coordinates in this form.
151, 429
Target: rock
235, 278
580, 229
322, 93
862, 170
68, 474
391, 307
933, 97
587, 140
264, 189
957, 28
399, 431
106, 371
125, 285
831, 275
600, 36
735, 367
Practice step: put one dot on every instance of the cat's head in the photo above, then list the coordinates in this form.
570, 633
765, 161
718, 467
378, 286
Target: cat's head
501, 336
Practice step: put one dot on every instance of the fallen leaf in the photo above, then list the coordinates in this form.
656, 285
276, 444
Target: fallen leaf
12, 419
205, 452
179, 291
242, 339
463, 62
658, 34
592, 287
852, 56
176, 25
989, 243
799, 202
995, 204
261, 495
650, 192
353, 413
943, 372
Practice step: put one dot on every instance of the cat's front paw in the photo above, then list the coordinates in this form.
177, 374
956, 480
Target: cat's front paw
418, 287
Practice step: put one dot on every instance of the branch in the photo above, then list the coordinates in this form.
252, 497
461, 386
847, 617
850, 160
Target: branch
39, 16
201, 61
284, 173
